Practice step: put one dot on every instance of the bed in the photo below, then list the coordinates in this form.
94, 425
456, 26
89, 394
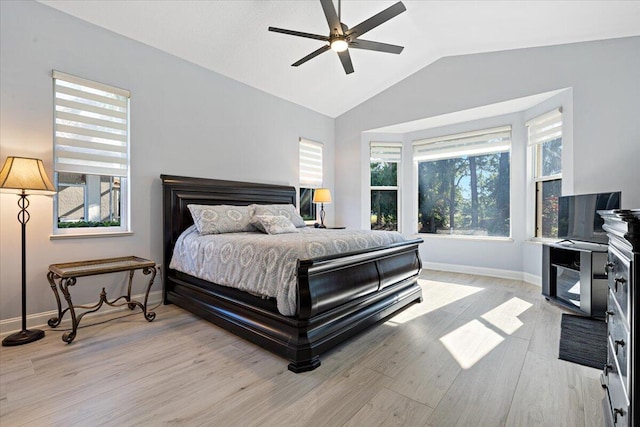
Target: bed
337, 296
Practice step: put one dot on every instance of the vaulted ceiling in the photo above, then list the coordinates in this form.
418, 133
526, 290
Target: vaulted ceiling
231, 37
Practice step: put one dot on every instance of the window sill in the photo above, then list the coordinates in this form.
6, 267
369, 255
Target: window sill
540, 240
462, 237
90, 235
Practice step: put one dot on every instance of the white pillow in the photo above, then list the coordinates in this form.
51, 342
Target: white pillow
287, 211
218, 219
276, 224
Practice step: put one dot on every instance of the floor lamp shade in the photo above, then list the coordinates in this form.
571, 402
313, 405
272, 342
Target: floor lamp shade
24, 176
322, 196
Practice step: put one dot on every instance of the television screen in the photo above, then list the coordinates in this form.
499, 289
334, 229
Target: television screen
578, 218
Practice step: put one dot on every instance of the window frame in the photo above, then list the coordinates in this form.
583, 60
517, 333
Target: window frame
453, 146
394, 159
125, 179
306, 180
534, 151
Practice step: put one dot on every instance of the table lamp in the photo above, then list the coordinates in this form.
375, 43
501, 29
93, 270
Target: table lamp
322, 196
24, 176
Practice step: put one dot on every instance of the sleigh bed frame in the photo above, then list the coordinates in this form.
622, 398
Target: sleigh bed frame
338, 296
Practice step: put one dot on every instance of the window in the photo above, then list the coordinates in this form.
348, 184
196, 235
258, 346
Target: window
91, 156
545, 147
384, 165
310, 176
463, 183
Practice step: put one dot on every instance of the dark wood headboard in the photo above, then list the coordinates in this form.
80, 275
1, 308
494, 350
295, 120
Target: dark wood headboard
180, 191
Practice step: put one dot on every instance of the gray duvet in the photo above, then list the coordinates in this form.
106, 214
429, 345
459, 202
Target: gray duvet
265, 264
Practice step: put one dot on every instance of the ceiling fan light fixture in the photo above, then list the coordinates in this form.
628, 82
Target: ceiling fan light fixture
339, 45
341, 37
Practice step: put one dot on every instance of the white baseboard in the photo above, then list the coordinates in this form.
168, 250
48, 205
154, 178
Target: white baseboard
533, 279
483, 271
39, 320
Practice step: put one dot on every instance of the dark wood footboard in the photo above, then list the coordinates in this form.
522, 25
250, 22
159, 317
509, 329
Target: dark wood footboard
338, 296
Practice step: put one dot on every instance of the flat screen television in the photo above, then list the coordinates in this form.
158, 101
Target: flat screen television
578, 218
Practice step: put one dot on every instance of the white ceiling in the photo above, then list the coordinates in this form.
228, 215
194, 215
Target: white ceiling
231, 37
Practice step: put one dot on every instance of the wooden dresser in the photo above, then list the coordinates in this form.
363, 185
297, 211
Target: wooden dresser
623, 267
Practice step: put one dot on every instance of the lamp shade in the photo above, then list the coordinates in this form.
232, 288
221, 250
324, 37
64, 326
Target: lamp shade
23, 174
322, 195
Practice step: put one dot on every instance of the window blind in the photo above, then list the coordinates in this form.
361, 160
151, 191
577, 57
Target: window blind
475, 143
546, 127
91, 127
386, 152
310, 164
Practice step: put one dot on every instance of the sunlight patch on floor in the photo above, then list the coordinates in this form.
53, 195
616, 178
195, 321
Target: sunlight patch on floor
505, 316
475, 339
440, 294
471, 342
435, 295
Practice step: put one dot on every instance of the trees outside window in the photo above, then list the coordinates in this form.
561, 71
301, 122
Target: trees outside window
384, 166
464, 184
545, 148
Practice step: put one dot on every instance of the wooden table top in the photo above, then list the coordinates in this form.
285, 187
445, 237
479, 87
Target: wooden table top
100, 266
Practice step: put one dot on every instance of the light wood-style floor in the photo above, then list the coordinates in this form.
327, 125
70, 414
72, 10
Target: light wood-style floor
477, 352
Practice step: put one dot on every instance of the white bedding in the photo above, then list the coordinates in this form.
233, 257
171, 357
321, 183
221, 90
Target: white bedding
265, 264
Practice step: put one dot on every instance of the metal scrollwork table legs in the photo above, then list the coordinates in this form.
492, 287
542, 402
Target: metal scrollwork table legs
67, 274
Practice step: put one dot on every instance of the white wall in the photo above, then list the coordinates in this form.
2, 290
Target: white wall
185, 120
605, 87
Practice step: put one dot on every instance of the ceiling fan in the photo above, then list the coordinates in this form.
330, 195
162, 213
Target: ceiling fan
341, 37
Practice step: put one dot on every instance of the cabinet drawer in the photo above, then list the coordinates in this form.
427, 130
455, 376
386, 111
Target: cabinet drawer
618, 401
618, 278
618, 344
619, 339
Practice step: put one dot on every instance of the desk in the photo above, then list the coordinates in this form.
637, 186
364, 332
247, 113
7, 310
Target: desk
67, 274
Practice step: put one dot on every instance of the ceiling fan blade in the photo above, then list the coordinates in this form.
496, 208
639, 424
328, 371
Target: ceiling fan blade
377, 46
332, 16
345, 58
376, 20
311, 55
299, 34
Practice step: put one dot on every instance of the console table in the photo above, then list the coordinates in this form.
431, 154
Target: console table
573, 276
67, 273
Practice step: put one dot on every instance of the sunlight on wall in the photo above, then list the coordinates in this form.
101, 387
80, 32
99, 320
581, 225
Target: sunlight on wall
470, 343
505, 316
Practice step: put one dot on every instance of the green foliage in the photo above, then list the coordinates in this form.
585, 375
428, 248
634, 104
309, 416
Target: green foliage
449, 203
384, 174
81, 224
551, 190
384, 203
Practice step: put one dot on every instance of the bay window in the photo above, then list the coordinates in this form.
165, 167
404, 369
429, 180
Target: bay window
464, 183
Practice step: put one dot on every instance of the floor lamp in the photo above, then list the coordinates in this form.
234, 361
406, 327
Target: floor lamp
322, 196
24, 176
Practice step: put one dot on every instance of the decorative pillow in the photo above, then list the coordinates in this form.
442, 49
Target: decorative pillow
287, 211
276, 224
218, 219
